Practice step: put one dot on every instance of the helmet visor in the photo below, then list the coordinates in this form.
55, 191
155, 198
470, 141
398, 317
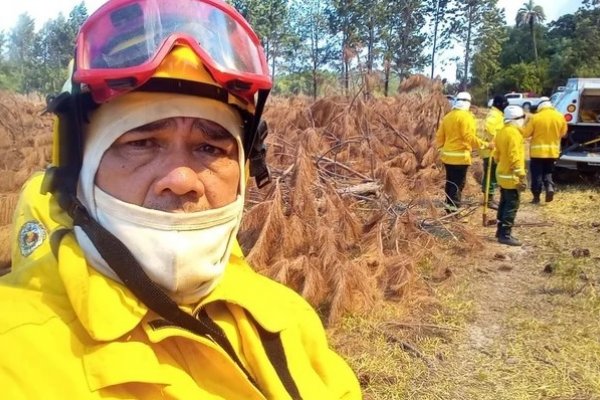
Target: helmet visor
126, 40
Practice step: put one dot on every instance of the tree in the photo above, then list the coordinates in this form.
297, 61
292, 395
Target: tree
586, 43
404, 39
486, 61
438, 11
268, 17
467, 28
21, 46
77, 17
314, 45
52, 52
531, 15
343, 23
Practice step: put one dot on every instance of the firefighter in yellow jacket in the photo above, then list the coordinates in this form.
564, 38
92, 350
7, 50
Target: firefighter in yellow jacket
494, 121
509, 153
545, 128
127, 280
456, 138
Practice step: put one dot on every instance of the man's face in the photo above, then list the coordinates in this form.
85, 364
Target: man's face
176, 165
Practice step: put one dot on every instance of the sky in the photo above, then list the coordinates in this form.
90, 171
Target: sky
43, 10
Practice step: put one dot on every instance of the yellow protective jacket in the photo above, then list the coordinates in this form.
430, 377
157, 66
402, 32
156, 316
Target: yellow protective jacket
545, 128
68, 332
510, 156
457, 136
494, 121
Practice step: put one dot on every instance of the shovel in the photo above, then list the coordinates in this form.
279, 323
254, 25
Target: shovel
576, 145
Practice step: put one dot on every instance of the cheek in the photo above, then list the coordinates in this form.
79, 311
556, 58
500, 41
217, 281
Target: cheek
222, 184
118, 179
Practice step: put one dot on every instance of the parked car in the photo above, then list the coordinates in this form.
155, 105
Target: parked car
580, 104
520, 99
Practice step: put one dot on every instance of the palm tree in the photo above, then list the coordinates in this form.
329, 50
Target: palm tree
531, 15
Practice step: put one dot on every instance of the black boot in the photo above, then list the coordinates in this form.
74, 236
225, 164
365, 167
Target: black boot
549, 195
498, 230
536, 198
506, 237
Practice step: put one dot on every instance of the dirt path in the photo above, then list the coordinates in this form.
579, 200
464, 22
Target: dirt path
510, 323
534, 331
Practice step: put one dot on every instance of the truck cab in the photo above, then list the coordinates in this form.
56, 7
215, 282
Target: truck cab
580, 104
521, 99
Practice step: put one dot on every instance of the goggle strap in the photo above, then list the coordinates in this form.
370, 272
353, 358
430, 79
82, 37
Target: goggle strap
70, 109
183, 86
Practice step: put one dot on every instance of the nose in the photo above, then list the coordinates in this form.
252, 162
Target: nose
181, 181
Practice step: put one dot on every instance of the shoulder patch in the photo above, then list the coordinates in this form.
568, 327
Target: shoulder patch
31, 235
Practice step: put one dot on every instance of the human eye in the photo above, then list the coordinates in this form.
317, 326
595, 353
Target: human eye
210, 149
140, 144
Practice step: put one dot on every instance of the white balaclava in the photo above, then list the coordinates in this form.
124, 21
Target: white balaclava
463, 101
183, 253
544, 103
514, 115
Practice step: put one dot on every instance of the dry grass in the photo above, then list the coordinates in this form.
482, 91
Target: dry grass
498, 327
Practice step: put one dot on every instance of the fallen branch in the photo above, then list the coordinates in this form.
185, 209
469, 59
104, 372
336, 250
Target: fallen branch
342, 166
409, 348
395, 132
424, 326
361, 189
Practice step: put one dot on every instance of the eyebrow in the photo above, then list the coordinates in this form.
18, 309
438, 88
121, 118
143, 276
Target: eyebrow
212, 129
154, 126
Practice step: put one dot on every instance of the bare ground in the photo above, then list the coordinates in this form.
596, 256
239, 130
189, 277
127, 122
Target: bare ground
506, 323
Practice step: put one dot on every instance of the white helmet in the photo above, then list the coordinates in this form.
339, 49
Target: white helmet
544, 103
463, 101
514, 115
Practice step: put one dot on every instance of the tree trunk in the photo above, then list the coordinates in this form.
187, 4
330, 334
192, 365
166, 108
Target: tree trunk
532, 30
468, 48
386, 70
435, 33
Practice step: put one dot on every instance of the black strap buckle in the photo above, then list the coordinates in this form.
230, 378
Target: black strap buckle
258, 157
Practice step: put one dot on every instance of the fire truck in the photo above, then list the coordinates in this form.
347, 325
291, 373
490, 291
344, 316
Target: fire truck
580, 104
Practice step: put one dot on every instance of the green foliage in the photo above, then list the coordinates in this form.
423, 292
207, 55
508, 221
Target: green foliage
469, 28
522, 77
325, 43
569, 46
269, 19
486, 62
37, 60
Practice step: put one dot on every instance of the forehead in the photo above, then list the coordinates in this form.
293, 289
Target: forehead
207, 127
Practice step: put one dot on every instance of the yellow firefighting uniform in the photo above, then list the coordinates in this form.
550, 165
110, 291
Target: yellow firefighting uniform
545, 128
68, 332
457, 137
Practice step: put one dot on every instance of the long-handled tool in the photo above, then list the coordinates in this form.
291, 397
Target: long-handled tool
486, 193
576, 145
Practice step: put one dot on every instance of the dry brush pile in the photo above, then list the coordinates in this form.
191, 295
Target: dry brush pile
25, 147
354, 180
342, 222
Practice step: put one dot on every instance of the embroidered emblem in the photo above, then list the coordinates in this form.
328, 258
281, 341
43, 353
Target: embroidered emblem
31, 236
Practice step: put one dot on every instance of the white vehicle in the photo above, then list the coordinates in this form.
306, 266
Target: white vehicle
520, 99
580, 104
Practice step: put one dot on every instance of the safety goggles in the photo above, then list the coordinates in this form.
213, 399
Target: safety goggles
122, 44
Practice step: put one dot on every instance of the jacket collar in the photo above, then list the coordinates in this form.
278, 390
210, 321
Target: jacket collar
108, 310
